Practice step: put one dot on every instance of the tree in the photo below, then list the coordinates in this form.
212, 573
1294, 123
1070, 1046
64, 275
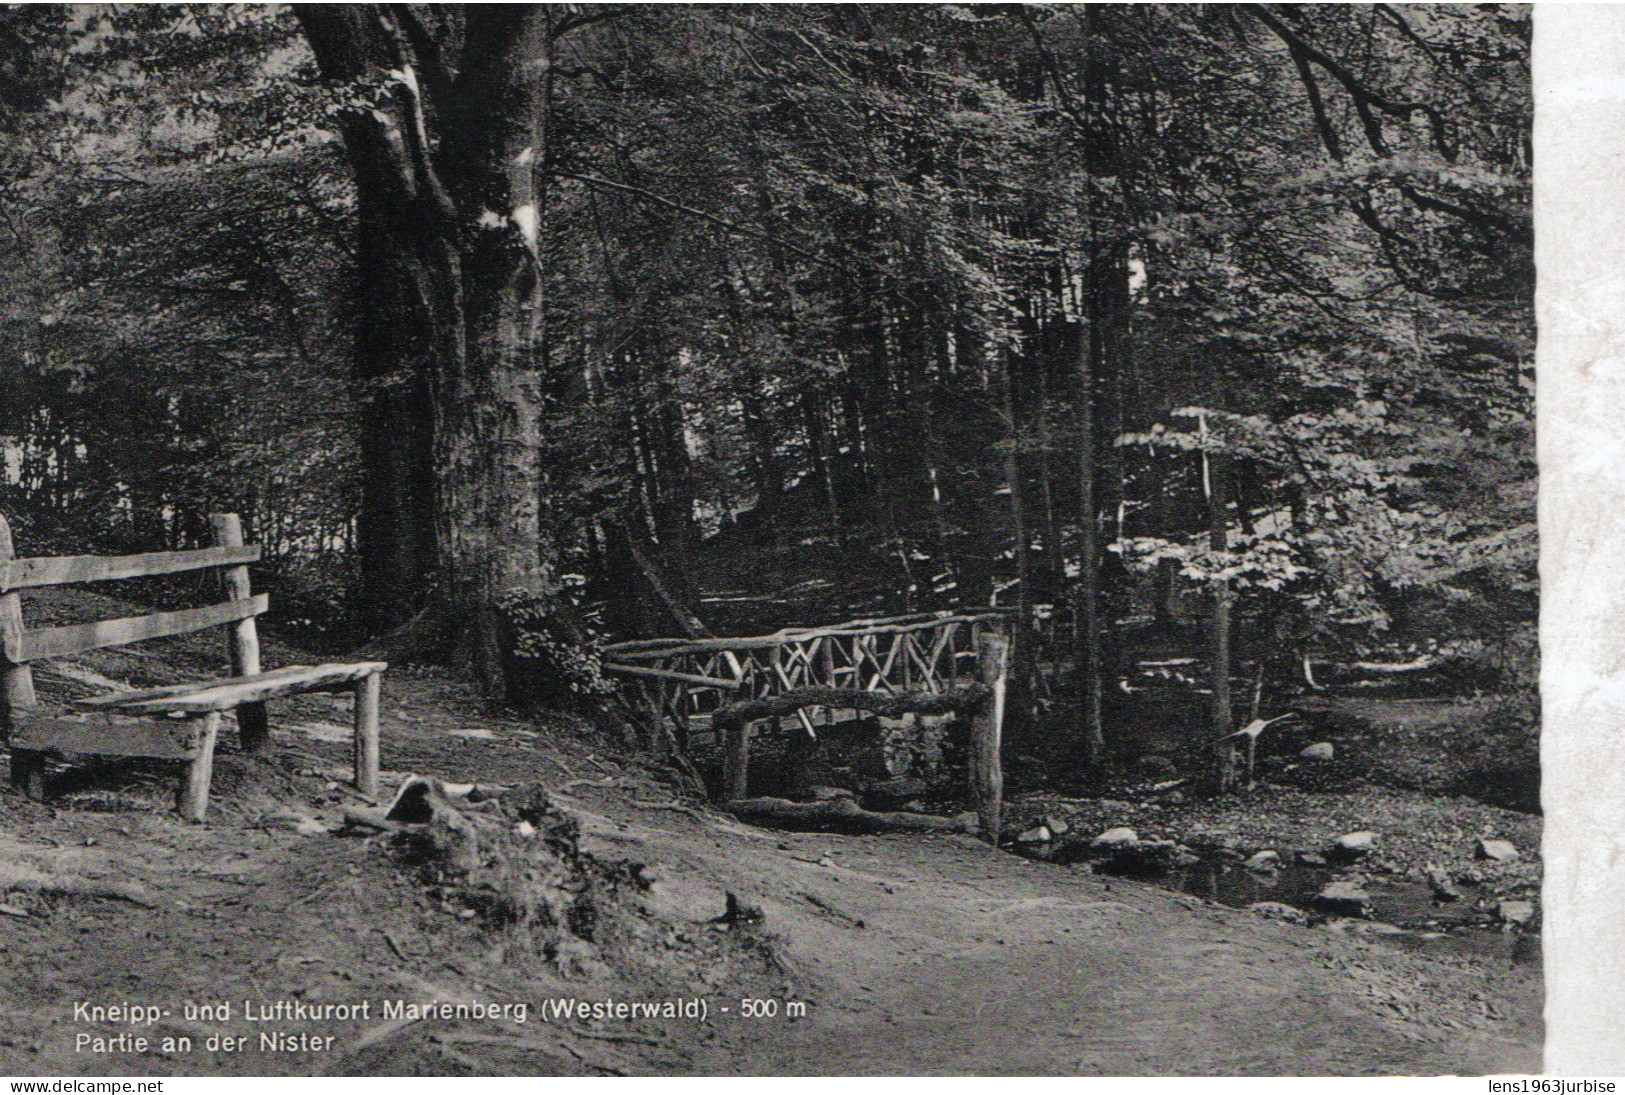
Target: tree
445, 118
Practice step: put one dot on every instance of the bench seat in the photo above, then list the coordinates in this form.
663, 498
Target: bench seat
232, 692
102, 733
182, 722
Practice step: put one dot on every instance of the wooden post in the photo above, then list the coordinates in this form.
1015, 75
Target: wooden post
826, 666
735, 761
683, 704
253, 728
366, 733
651, 697
16, 682
1216, 486
987, 727
194, 791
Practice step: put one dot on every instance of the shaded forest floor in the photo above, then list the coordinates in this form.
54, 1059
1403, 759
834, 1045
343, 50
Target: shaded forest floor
912, 954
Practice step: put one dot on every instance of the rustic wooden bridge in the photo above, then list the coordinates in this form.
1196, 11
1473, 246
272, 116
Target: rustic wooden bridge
682, 681
698, 689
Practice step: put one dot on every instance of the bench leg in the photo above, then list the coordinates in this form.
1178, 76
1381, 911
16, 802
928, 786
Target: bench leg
366, 733
28, 773
253, 727
194, 794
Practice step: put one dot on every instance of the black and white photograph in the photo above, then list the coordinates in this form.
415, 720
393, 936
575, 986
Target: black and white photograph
642, 539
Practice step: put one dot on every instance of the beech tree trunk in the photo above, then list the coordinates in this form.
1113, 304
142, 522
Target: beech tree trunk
405, 325
456, 226
488, 450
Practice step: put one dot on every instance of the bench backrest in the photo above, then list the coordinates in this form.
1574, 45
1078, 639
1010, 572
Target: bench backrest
20, 646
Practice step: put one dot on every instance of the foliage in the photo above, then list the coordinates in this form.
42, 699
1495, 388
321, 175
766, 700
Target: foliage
867, 282
561, 652
180, 262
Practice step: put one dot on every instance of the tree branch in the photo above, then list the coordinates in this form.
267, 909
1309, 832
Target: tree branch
417, 127
720, 222
438, 78
1317, 106
571, 23
1364, 97
1515, 228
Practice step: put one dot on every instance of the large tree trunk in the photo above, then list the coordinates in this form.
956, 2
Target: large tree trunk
488, 451
395, 533
407, 271
457, 225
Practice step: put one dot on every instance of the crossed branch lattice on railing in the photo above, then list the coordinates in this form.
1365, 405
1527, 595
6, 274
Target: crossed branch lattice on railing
679, 682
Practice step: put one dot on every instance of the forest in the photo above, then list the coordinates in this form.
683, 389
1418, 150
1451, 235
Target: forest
1186, 350
1204, 330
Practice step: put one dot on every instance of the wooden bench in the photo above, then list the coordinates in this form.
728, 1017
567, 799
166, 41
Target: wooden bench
177, 722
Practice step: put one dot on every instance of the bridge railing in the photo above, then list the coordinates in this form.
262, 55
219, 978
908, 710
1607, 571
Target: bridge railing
681, 681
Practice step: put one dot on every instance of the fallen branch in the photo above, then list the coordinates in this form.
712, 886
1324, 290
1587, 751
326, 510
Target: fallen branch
674, 805
612, 782
1425, 661
844, 815
394, 945
422, 635
533, 1045
366, 818
477, 1066
321, 888
426, 991
824, 906
657, 581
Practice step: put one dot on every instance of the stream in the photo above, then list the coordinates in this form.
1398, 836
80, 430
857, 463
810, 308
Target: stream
1404, 911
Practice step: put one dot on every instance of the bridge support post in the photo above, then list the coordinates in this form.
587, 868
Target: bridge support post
987, 728
735, 761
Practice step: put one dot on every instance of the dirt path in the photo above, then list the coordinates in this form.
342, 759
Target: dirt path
913, 954
940, 955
